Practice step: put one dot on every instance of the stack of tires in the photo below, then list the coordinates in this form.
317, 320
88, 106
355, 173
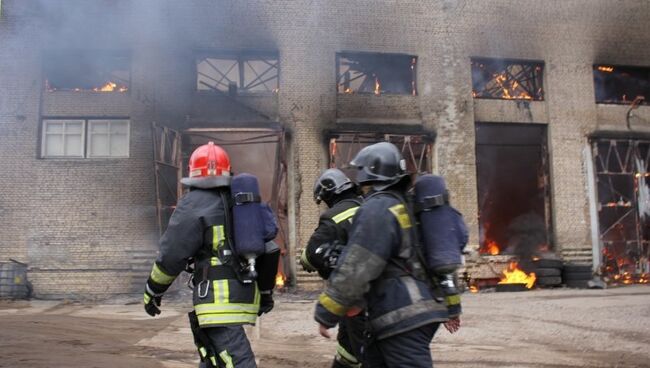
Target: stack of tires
577, 275
548, 272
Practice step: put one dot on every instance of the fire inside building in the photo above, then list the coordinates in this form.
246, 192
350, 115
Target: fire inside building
541, 132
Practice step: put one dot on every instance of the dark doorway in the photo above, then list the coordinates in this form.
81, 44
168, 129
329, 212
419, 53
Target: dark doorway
513, 189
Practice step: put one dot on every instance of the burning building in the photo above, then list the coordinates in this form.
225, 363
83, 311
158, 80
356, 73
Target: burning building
536, 115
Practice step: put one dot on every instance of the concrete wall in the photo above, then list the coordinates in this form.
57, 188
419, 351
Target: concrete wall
78, 223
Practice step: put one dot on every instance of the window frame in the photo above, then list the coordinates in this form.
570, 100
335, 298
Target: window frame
81, 53
348, 53
85, 137
507, 61
239, 58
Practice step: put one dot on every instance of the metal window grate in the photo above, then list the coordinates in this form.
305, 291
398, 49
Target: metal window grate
507, 79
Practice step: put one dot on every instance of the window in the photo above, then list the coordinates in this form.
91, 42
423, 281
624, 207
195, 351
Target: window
63, 138
95, 71
507, 79
245, 73
621, 85
374, 73
85, 138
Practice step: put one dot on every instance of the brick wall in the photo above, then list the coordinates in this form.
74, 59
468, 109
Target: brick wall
89, 215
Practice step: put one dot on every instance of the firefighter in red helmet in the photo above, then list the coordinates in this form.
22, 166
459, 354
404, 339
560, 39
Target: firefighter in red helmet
200, 231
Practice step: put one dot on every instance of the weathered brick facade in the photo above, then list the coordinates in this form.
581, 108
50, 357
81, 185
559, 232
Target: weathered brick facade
79, 223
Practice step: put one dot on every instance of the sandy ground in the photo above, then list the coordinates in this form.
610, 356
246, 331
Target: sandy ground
541, 328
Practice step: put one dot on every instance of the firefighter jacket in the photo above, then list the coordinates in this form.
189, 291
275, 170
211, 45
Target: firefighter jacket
333, 228
199, 229
380, 269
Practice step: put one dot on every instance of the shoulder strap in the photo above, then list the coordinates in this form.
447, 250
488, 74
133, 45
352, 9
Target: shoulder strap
411, 260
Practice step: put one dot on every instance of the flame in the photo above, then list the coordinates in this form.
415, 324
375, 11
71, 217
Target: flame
473, 289
279, 280
348, 90
110, 87
606, 69
492, 248
513, 275
377, 86
509, 88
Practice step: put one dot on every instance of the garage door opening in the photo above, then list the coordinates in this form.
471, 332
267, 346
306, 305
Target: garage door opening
513, 189
621, 168
259, 151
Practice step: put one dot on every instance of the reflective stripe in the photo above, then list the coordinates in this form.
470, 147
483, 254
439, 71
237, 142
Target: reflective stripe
214, 361
226, 308
221, 291
214, 261
410, 311
345, 215
160, 277
226, 359
305, 262
147, 298
412, 288
349, 359
218, 237
331, 305
452, 299
222, 319
203, 352
402, 216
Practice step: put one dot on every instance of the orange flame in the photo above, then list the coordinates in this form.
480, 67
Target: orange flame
513, 275
606, 69
492, 248
110, 87
377, 86
473, 289
279, 280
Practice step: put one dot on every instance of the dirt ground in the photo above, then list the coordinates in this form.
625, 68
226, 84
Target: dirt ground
540, 328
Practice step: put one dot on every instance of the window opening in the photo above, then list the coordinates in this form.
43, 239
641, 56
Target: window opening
242, 73
86, 71
507, 79
375, 73
621, 85
416, 149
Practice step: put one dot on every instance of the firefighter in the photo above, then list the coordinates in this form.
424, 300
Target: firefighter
382, 270
341, 196
200, 231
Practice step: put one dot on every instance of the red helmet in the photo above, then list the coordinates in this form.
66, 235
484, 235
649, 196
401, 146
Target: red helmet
209, 167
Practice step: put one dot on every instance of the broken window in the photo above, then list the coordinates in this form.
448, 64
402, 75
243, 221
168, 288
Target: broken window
507, 79
363, 72
513, 189
622, 171
85, 138
415, 148
87, 71
238, 73
621, 85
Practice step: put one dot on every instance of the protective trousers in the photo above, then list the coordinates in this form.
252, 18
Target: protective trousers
231, 347
350, 342
409, 349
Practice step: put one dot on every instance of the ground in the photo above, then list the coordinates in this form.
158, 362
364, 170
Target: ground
540, 328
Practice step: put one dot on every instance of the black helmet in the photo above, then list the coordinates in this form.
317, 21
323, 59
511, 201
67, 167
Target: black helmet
331, 183
380, 164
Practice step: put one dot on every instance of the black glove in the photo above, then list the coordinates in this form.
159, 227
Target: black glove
266, 302
152, 302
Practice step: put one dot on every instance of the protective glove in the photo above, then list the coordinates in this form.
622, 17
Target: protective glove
152, 302
266, 302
